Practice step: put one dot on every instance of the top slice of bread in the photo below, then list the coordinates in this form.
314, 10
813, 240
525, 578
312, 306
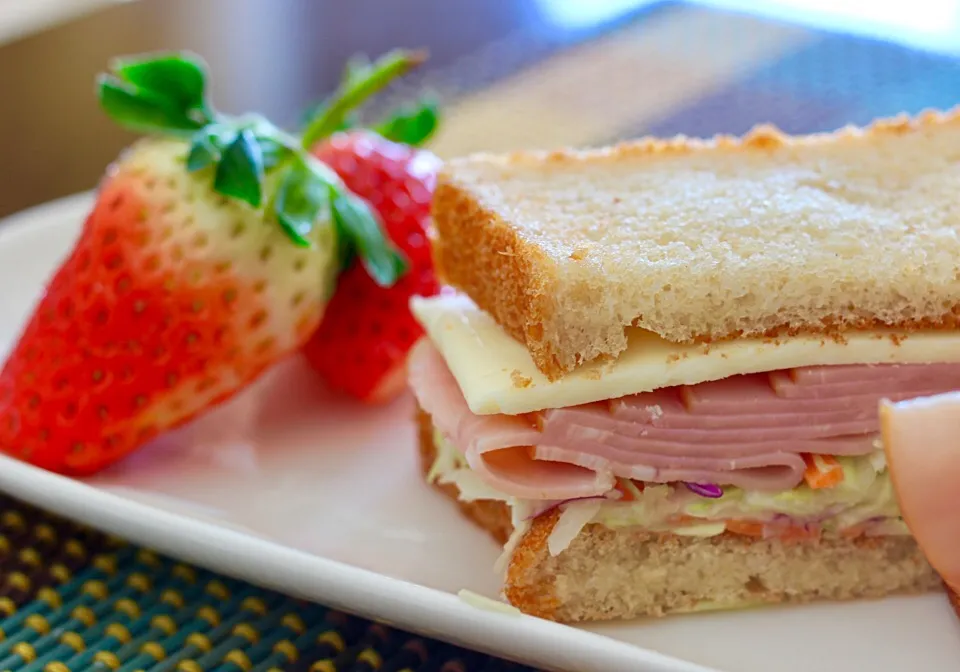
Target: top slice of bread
709, 240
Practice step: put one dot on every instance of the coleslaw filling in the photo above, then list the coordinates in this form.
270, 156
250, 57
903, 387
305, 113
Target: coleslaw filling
862, 503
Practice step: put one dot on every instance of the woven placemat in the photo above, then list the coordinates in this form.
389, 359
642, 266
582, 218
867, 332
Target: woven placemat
73, 599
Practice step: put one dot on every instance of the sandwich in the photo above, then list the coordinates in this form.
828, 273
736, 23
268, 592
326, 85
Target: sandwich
656, 372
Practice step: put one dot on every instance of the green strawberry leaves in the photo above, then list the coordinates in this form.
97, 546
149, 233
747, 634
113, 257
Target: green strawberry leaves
308, 189
157, 93
181, 78
166, 94
411, 125
207, 145
302, 196
240, 170
356, 222
142, 110
240, 157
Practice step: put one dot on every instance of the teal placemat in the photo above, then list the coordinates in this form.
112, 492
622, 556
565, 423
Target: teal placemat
75, 599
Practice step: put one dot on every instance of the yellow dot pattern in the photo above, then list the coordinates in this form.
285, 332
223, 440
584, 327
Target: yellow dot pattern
37, 623
26, 651
73, 640
85, 615
106, 563
128, 607
108, 658
73, 600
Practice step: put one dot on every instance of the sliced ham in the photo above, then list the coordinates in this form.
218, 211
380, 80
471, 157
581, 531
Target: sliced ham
772, 471
754, 394
784, 386
669, 411
495, 446
748, 431
922, 442
878, 372
589, 422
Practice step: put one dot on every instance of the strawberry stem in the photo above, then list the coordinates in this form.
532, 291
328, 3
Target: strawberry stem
360, 85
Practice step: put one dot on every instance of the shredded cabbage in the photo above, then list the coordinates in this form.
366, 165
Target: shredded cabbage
471, 486
702, 530
864, 497
521, 524
866, 494
447, 459
485, 603
450, 467
573, 518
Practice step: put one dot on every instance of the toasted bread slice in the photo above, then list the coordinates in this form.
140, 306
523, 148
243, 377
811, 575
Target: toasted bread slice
708, 240
612, 574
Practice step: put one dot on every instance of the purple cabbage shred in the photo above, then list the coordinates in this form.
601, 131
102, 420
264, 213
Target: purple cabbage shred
708, 490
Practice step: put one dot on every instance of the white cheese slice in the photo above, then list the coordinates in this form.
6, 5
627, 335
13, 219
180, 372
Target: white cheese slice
497, 374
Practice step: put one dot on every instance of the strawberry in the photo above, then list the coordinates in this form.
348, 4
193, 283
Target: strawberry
362, 343
209, 255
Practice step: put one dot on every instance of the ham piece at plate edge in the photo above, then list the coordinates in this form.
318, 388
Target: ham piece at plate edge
922, 440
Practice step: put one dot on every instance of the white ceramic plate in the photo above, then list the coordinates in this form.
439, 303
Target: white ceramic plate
19, 19
294, 490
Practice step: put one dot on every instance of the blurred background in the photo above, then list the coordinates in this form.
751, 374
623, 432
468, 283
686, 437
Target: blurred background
509, 73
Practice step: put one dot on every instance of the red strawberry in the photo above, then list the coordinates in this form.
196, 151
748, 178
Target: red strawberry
362, 343
178, 292
170, 301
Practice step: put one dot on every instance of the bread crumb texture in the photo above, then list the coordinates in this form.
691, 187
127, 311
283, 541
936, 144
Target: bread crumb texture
520, 380
704, 240
609, 574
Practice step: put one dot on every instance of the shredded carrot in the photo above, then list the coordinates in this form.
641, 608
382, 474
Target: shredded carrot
625, 491
683, 519
749, 528
799, 533
854, 531
823, 471
753, 528
628, 495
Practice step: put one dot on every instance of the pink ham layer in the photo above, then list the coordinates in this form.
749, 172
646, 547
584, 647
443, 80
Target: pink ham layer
749, 431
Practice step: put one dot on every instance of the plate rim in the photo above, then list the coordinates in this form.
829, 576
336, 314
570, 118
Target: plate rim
427, 611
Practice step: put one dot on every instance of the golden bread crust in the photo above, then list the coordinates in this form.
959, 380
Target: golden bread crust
533, 279
486, 258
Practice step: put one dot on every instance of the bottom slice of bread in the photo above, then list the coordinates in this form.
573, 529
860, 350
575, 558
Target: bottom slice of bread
628, 572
